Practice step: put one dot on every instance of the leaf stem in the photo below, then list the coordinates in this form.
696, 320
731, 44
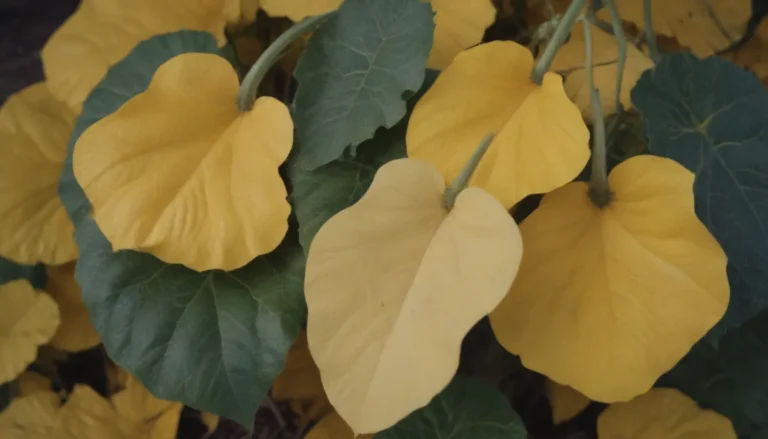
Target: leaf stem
460, 182
557, 40
650, 34
599, 192
621, 40
250, 85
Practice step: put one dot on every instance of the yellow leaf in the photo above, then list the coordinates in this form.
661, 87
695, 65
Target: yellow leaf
662, 414
541, 143
28, 319
609, 299
29, 383
102, 32
333, 427
87, 415
35, 130
394, 283
754, 55
31, 417
459, 24
210, 421
299, 383
702, 26
148, 416
75, 333
223, 190
570, 62
565, 402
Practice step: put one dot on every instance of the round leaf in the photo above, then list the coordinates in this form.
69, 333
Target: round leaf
395, 282
662, 413
102, 32
467, 409
28, 319
223, 189
35, 129
607, 300
213, 340
541, 141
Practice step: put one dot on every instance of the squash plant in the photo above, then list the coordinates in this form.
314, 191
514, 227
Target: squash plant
335, 246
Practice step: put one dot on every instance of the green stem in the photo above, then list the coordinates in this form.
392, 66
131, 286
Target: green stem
621, 40
460, 182
599, 192
557, 40
250, 85
650, 34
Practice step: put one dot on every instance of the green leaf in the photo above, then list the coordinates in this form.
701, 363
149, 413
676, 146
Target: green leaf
712, 117
355, 73
214, 340
467, 409
731, 378
10, 271
319, 194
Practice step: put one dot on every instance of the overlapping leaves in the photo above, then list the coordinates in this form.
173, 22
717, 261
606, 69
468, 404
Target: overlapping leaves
214, 340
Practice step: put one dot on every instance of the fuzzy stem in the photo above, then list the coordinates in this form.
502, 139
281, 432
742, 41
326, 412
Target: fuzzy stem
599, 192
557, 40
460, 182
650, 34
621, 40
250, 85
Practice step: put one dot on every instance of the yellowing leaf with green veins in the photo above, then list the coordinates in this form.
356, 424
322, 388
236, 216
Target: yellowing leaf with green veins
541, 143
28, 319
146, 416
702, 26
223, 187
35, 129
333, 427
394, 283
29, 383
662, 414
102, 32
459, 24
609, 299
569, 61
75, 333
31, 417
299, 384
566, 403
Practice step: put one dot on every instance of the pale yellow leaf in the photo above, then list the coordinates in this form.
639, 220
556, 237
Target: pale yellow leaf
394, 283
565, 402
35, 129
541, 143
28, 319
459, 24
87, 415
102, 32
702, 26
33, 416
609, 299
210, 421
333, 427
29, 383
223, 202
570, 62
75, 333
662, 414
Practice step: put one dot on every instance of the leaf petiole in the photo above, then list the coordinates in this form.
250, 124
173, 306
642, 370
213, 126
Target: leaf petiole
460, 182
250, 85
650, 34
621, 40
599, 192
557, 40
